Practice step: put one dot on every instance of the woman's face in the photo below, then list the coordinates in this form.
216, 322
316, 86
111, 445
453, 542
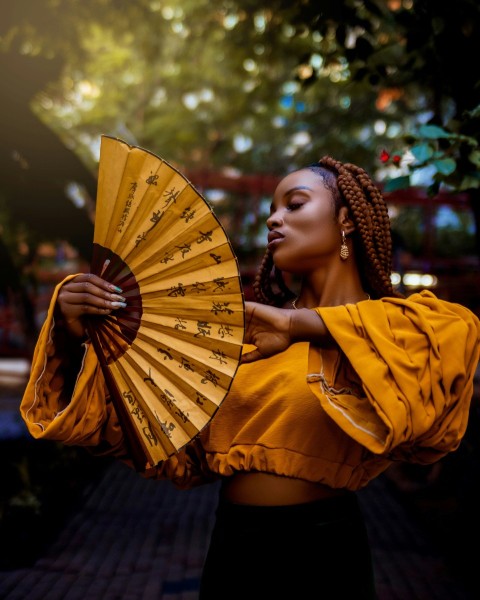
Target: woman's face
303, 231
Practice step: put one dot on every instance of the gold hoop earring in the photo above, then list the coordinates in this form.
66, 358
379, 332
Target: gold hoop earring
344, 253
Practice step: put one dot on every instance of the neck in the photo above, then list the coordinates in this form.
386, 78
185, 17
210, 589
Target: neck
304, 302
331, 290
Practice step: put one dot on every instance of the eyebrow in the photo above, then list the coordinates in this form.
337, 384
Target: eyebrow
296, 188
292, 191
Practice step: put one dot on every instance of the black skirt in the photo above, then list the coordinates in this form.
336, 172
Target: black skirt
317, 550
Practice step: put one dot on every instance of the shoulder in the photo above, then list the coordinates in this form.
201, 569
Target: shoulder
426, 302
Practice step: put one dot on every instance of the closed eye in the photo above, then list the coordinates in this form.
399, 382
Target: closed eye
294, 205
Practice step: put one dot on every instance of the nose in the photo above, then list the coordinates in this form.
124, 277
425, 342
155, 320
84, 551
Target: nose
274, 220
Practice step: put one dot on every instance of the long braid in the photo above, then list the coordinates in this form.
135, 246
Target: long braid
372, 237
350, 186
262, 287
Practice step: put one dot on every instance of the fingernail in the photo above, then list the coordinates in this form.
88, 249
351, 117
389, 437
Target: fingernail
118, 304
115, 288
105, 265
117, 297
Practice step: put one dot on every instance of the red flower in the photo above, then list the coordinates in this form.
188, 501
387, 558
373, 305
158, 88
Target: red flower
396, 158
384, 156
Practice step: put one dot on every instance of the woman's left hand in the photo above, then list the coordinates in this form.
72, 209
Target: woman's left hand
267, 328
273, 330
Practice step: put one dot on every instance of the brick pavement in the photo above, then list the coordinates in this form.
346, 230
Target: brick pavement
134, 539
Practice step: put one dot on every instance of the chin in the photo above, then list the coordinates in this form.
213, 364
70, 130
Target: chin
288, 267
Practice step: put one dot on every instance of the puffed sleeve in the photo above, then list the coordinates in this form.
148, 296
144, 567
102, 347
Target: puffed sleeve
66, 400
416, 359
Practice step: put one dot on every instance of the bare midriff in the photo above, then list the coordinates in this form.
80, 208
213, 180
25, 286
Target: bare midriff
266, 489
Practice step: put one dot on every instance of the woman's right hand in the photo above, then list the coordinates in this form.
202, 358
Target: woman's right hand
87, 294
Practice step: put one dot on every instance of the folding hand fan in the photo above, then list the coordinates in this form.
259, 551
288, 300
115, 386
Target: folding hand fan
170, 356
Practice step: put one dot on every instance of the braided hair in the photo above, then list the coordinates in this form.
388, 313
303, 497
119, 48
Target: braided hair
352, 187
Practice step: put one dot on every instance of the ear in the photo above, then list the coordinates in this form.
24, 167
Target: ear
344, 220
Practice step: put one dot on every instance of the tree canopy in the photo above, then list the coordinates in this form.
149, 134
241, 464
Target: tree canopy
259, 87
251, 85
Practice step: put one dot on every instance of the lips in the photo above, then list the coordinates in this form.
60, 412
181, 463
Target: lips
273, 238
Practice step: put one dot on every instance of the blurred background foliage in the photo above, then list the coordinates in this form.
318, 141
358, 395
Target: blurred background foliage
257, 86
239, 88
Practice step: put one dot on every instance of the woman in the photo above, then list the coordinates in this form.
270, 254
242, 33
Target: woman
336, 382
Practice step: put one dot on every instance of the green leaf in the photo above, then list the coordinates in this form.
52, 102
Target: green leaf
474, 157
474, 113
422, 152
433, 132
466, 138
399, 183
469, 182
445, 166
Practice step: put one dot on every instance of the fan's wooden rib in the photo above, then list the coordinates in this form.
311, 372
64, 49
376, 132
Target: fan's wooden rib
164, 395
188, 289
120, 192
187, 236
210, 336
128, 201
156, 199
195, 211
113, 158
201, 268
172, 395
207, 334
211, 342
219, 310
148, 185
114, 340
186, 297
199, 358
156, 447
205, 337
216, 327
132, 441
160, 401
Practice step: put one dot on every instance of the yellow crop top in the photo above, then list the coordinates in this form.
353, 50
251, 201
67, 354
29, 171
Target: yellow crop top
398, 388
